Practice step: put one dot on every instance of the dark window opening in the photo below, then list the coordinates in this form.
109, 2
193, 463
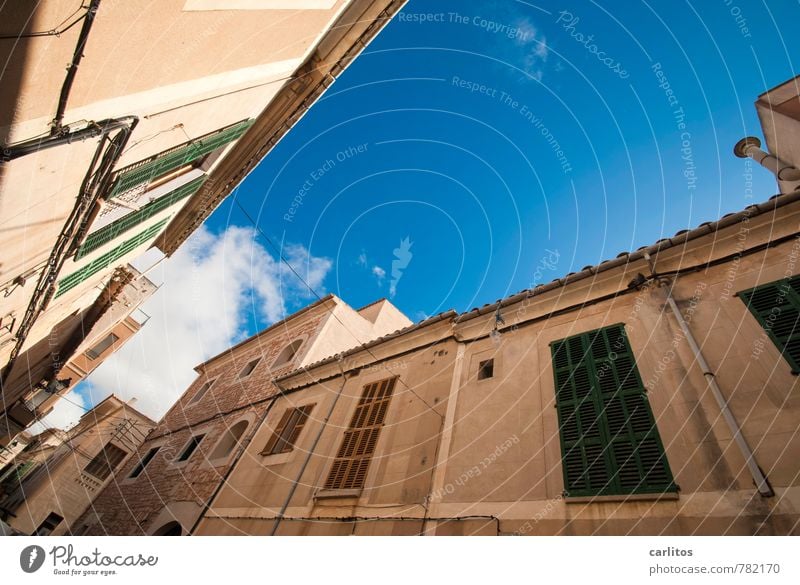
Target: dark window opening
50, 523
486, 369
190, 447
288, 353
169, 529
137, 471
248, 369
201, 392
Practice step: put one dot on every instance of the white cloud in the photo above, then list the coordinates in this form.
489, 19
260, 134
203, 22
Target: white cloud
534, 48
379, 273
362, 259
211, 287
65, 413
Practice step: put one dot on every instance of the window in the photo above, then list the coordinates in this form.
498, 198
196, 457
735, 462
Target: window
110, 232
189, 153
288, 353
104, 261
38, 398
46, 528
349, 469
16, 473
485, 369
229, 440
285, 436
169, 529
137, 471
106, 461
104, 344
248, 369
190, 447
609, 441
202, 391
776, 306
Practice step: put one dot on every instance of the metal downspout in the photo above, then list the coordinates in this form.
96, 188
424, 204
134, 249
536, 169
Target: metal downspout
758, 476
310, 453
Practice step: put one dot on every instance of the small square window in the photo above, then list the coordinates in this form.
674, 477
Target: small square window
486, 369
248, 369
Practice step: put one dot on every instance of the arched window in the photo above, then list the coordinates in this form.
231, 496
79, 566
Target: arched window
229, 440
169, 529
288, 353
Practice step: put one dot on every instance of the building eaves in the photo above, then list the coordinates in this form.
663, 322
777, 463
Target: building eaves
450, 314
269, 329
623, 258
122, 404
355, 28
368, 305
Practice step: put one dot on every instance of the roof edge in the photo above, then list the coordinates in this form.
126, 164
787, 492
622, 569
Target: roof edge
704, 229
319, 302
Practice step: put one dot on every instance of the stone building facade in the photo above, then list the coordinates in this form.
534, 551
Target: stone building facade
579, 407
191, 451
163, 109
59, 474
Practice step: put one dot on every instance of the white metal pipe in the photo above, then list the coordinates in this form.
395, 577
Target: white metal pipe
758, 476
751, 147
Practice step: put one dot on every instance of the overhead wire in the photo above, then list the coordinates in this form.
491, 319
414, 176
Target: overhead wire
280, 255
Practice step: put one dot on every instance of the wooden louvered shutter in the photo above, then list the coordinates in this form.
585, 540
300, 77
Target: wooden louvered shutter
302, 416
106, 461
349, 469
776, 306
609, 440
288, 430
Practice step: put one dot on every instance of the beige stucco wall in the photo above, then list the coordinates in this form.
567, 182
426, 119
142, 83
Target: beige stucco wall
499, 448
182, 70
65, 488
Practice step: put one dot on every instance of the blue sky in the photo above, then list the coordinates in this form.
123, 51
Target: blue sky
446, 131
507, 143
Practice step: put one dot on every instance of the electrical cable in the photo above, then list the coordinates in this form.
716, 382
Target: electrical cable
319, 298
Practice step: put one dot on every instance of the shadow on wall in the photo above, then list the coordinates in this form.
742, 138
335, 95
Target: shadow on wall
18, 19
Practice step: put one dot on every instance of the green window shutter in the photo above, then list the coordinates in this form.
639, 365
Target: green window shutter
776, 306
131, 220
69, 282
609, 440
149, 169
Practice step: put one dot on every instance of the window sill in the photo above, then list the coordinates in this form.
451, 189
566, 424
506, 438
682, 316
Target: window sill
324, 494
623, 498
275, 459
